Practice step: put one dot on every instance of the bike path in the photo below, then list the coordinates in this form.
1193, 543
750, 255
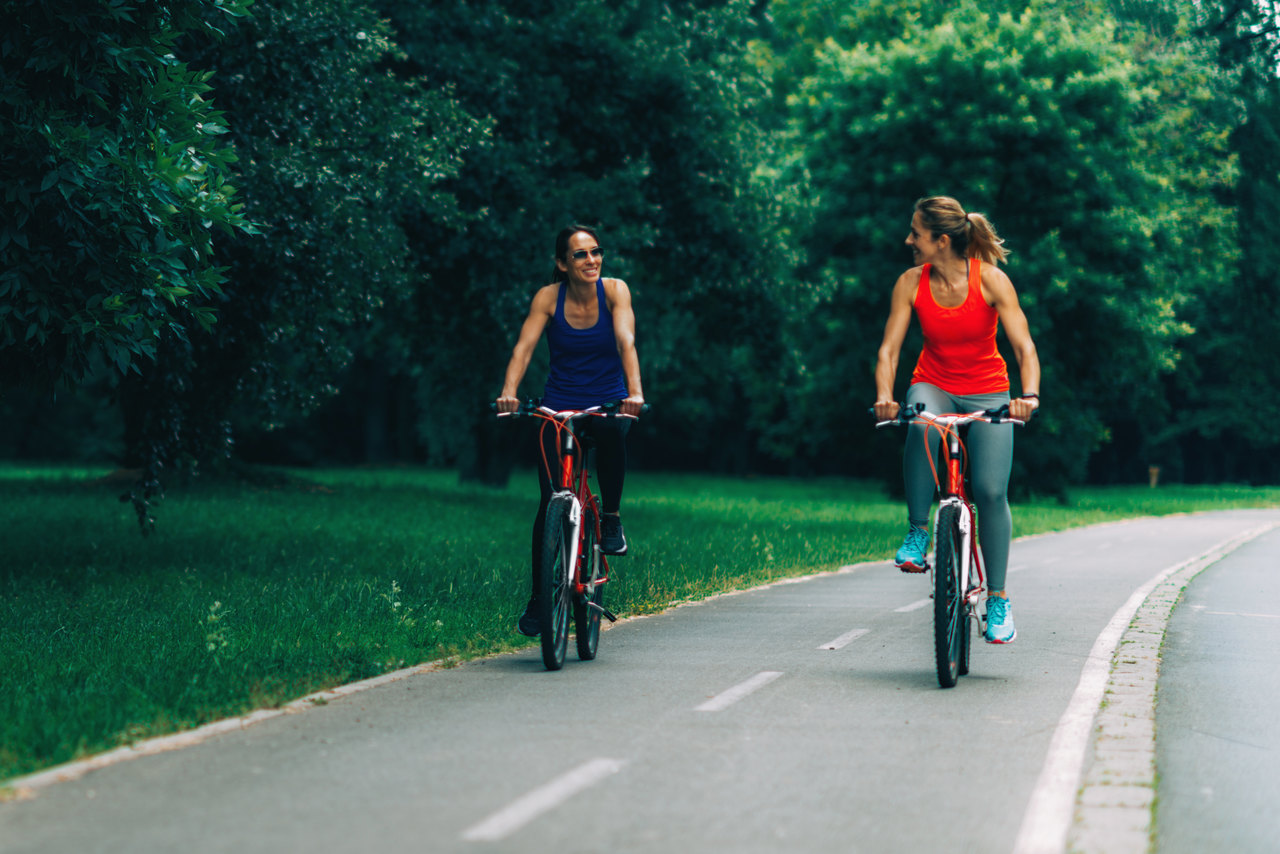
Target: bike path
802, 716
1218, 744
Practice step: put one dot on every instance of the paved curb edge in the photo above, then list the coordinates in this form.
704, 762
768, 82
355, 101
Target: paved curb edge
1114, 811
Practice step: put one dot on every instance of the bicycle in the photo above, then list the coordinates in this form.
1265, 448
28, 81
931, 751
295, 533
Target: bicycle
958, 578
574, 570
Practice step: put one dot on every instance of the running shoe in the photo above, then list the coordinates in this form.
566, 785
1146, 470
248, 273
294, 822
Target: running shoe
911, 557
612, 540
999, 621
529, 624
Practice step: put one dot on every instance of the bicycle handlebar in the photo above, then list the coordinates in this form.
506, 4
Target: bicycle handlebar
909, 414
534, 407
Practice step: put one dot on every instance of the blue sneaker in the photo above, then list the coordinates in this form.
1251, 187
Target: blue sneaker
911, 557
999, 621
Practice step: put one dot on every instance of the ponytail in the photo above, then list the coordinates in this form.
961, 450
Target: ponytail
984, 243
972, 234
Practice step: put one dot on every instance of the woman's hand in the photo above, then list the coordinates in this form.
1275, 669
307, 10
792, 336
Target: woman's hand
1022, 407
886, 410
507, 403
631, 404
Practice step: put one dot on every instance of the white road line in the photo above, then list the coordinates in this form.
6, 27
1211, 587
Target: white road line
541, 800
727, 698
845, 639
914, 606
1243, 614
1049, 814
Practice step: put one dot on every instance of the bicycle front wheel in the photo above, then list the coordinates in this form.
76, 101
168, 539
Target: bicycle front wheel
555, 592
949, 619
586, 618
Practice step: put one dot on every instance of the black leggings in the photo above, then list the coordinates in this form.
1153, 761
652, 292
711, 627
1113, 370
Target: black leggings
608, 438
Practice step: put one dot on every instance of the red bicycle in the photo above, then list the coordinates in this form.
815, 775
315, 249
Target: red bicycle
574, 571
957, 574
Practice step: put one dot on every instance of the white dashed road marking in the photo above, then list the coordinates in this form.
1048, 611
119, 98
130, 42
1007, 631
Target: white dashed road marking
845, 639
541, 800
727, 698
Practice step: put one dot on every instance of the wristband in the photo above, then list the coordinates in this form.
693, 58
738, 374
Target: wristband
1031, 395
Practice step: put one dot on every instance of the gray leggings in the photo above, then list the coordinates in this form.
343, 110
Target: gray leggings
990, 461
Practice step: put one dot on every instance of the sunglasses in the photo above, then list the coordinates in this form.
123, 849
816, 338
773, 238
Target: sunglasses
581, 254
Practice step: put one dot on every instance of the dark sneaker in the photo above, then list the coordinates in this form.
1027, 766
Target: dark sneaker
529, 624
911, 557
612, 540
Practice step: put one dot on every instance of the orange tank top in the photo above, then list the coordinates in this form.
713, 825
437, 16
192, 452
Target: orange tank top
959, 355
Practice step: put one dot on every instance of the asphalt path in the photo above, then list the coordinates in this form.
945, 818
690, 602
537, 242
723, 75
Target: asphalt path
1218, 745
805, 716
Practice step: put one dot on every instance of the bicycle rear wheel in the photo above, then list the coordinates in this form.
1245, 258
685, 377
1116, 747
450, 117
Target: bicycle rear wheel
950, 622
555, 592
586, 619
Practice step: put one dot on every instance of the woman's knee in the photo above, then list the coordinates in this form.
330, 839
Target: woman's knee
993, 495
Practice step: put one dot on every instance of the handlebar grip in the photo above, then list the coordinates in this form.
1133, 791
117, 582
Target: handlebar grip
905, 411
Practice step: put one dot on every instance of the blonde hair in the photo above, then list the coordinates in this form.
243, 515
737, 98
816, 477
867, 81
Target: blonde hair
972, 234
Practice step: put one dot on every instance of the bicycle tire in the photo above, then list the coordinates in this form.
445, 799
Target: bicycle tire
949, 618
586, 619
555, 593
968, 619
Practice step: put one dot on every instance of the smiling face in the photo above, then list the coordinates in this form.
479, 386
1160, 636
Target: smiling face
924, 249
583, 260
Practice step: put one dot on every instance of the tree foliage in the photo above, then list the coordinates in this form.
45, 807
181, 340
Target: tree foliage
1235, 353
751, 166
335, 152
1102, 173
115, 178
636, 117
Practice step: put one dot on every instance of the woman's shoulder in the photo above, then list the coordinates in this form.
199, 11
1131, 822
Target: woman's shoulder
545, 297
909, 281
615, 289
995, 281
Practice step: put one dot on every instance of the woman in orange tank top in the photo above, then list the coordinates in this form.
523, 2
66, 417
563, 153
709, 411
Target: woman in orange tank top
960, 297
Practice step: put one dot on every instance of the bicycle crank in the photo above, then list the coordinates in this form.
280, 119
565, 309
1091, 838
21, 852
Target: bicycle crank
613, 618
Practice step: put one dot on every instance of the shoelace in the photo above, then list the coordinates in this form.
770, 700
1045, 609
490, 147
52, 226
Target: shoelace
918, 539
997, 610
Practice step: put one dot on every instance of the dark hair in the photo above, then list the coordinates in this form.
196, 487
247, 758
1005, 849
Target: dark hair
972, 234
562, 248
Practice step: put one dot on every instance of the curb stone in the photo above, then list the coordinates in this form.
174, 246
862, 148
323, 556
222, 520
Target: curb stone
1115, 806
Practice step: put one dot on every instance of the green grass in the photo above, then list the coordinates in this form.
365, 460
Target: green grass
249, 597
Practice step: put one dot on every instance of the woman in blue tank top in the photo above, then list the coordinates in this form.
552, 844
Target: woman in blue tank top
591, 335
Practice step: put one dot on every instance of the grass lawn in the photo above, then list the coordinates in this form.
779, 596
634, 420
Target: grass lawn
251, 596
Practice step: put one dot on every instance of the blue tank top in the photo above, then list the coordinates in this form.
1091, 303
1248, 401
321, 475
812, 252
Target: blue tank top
586, 369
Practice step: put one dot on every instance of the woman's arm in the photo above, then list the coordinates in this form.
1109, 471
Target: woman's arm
540, 311
895, 332
1000, 293
618, 296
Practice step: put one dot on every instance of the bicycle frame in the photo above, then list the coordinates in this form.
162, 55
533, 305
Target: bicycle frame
573, 486
953, 493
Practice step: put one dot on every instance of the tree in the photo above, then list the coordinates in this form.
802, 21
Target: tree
636, 117
335, 151
1100, 174
115, 180
1221, 427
